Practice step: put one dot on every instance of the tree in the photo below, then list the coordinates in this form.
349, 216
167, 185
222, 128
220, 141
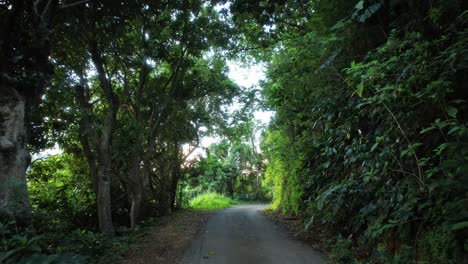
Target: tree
142, 89
25, 70
231, 167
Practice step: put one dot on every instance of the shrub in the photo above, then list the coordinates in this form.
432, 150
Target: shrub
211, 200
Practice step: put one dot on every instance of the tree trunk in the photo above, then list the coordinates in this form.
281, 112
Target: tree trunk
174, 181
180, 196
87, 133
165, 193
104, 174
90, 158
14, 158
137, 180
24, 73
137, 188
149, 153
104, 170
101, 173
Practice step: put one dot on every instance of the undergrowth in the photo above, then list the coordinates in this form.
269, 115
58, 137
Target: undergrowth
57, 245
211, 200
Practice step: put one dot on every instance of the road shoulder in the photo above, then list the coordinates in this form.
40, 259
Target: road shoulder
296, 230
168, 239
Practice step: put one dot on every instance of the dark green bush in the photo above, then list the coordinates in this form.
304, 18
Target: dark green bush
379, 143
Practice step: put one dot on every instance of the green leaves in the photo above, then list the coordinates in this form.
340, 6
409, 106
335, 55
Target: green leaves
460, 226
360, 5
378, 140
384, 148
25, 247
362, 14
360, 89
230, 168
61, 184
410, 150
374, 147
452, 111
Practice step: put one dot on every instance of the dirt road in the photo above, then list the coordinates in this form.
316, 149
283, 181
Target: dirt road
243, 235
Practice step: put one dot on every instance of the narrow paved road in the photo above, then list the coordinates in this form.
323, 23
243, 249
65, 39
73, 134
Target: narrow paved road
243, 235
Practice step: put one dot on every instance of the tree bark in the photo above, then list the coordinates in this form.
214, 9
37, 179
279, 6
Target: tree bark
165, 193
87, 135
137, 188
104, 169
175, 176
14, 158
104, 175
137, 180
25, 70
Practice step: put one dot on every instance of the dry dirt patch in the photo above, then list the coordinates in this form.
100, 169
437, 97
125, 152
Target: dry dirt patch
167, 241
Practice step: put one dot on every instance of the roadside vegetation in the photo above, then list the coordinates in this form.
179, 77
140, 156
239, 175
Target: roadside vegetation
370, 141
212, 201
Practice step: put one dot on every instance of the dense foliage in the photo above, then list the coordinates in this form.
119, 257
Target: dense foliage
59, 188
232, 167
211, 200
135, 85
370, 137
369, 144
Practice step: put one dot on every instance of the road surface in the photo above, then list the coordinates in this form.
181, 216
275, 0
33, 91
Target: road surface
243, 235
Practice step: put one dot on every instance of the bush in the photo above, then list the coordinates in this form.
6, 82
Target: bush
25, 246
60, 190
379, 155
211, 200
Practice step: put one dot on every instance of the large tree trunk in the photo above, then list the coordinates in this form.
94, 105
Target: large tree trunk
170, 180
165, 194
137, 189
104, 175
24, 73
175, 177
98, 163
136, 210
137, 179
14, 158
104, 170
90, 158
87, 133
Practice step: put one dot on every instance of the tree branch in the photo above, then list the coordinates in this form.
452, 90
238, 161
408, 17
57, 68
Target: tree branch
75, 4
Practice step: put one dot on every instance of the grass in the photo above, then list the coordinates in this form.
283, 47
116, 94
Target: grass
211, 200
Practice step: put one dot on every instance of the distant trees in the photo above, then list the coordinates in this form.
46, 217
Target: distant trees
232, 168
